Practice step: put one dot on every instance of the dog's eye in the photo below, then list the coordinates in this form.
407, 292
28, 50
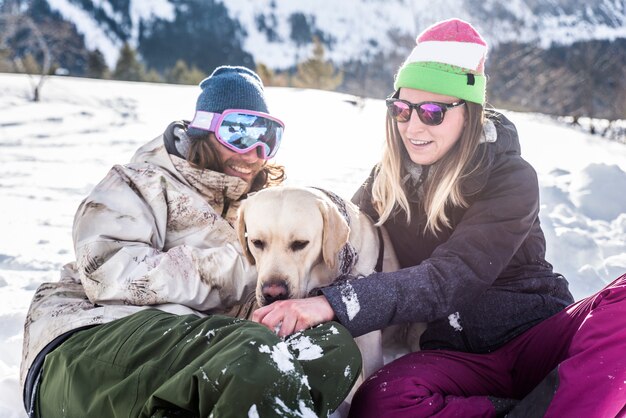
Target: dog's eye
258, 243
298, 245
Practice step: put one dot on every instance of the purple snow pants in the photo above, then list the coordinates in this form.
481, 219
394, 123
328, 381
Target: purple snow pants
587, 341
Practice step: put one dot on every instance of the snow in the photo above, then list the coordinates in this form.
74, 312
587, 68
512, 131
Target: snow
210, 334
303, 410
306, 349
350, 299
454, 320
53, 152
281, 356
382, 25
252, 412
96, 37
143, 12
204, 375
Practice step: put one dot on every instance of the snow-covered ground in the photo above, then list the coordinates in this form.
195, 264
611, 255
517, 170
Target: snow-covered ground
54, 151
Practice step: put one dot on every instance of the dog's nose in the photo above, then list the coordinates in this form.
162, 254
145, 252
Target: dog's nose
274, 290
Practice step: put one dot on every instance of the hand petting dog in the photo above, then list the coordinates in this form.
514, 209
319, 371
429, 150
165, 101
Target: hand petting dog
289, 316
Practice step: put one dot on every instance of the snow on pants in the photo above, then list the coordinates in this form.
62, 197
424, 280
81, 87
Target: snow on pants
156, 364
585, 346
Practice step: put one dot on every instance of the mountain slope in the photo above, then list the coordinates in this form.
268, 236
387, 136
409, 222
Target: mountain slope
277, 32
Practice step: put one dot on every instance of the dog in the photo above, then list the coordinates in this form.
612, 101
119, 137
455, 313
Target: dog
302, 238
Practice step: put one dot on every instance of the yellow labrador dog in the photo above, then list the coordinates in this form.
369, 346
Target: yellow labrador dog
301, 239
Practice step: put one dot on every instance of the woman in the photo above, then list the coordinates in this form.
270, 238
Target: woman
157, 233
461, 207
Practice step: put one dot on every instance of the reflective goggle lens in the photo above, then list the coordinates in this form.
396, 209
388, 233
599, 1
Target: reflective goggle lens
244, 131
241, 130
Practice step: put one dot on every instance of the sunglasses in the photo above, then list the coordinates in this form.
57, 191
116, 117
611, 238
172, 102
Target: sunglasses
242, 130
430, 113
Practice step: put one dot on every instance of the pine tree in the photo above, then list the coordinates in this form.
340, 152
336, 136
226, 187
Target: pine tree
316, 72
96, 65
266, 74
271, 77
128, 66
153, 76
180, 73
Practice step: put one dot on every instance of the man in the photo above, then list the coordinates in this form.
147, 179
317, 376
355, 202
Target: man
131, 327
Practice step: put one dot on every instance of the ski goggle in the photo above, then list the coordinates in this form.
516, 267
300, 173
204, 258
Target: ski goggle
430, 113
241, 130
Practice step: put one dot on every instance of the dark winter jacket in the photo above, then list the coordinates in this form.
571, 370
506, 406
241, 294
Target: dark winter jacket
477, 284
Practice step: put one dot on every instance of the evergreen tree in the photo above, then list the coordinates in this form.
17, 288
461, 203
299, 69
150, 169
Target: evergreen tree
271, 77
180, 73
128, 66
96, 65
266, 74
316, 72
153, 76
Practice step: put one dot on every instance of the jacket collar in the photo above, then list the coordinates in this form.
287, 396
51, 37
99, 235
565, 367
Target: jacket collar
206, 182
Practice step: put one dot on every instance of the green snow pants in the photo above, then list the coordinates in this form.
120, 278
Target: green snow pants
156, 364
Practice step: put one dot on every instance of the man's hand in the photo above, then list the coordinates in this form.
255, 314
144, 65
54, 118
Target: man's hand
286, 317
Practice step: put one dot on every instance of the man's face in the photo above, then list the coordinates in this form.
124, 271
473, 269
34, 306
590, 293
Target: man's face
245, 166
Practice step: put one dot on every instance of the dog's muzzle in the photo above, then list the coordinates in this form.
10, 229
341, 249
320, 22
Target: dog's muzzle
274, 290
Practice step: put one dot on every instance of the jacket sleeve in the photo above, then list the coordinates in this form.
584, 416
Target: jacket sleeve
459, 270
119, 237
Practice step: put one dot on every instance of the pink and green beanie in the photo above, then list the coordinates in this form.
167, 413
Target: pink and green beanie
449, 59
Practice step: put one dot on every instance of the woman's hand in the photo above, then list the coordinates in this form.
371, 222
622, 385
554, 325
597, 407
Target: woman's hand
286, 317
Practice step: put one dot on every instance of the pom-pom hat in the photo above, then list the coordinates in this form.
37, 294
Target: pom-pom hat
230, 87
449, 59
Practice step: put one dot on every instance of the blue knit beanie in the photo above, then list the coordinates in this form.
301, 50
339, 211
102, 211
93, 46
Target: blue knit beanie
230, 88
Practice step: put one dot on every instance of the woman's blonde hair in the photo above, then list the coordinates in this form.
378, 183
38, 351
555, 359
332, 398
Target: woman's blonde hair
442, 187
202, 154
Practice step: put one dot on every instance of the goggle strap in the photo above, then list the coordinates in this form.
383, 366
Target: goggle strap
206, 121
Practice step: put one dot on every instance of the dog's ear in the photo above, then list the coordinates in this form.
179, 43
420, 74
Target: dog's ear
240, 227
335, 233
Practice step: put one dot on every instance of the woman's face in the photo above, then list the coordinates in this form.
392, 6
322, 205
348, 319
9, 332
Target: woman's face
245, 166
428, 144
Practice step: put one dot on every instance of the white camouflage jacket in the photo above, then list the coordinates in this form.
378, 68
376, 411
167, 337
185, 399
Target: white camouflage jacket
152, 233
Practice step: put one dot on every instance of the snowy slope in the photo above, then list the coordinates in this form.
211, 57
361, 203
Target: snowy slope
356, 29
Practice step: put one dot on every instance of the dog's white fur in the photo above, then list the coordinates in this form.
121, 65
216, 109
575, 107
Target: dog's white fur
294, 235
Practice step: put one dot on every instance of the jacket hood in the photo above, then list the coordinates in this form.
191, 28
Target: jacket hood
499, 140
203, 180
507, 140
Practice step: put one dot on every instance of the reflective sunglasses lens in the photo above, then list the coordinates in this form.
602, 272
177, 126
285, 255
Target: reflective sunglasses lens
400, 111
244, 131
430, 113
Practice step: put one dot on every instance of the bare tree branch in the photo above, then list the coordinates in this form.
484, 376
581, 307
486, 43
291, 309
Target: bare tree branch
11, 23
